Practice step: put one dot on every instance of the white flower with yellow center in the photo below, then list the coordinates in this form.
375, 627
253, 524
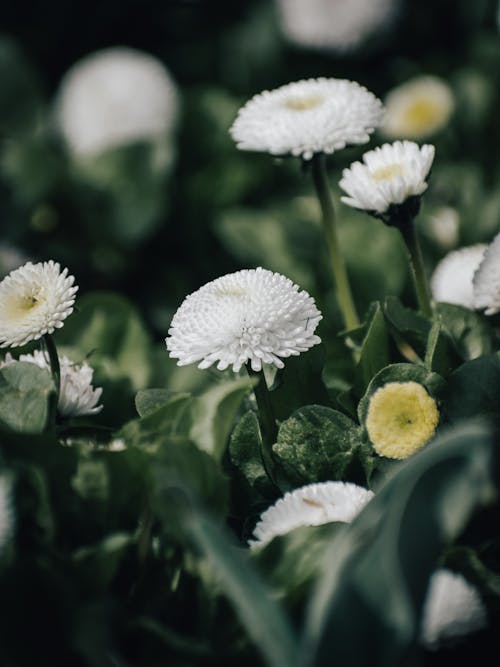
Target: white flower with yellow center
486, 281
451, 281
311, 505
401, 419
307, 117
253, 315
418, 108
115, 97
35, 299
452, 609
388, 176
339, 25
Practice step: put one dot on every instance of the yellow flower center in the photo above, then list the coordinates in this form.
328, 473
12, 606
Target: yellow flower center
423, 115
387, 172
304, 103
401, 419
21, 305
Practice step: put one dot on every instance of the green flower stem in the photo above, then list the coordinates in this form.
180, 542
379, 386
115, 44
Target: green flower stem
267, 422
409, 232
344, 294
56, 374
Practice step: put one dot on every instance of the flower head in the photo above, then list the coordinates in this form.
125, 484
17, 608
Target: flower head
418, 108
486, 281
35, 299
451, 281
114, 97
401, 418
311, 505
307, 117
339, 25
252, 315
452, 609
388, 176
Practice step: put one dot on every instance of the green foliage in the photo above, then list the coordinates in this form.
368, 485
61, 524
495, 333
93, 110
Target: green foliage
25, 391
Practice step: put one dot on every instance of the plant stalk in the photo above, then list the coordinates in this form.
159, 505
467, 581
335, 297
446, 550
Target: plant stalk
267, 422
55, 369
409, 232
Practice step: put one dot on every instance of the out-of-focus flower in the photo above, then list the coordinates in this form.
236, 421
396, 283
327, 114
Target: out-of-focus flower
401, 419
486, 281
311, 505
339, 25
6, 511
115, 97
253, 315
388, 176
307, 117
418, 108
35, 299
452, 609
451, 281
77, 396
443, 227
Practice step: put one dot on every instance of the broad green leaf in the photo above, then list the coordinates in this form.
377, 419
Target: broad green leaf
408, 324
440, 356
213, 414
377, 569
470, 332
148, 401
25, 390
374, 351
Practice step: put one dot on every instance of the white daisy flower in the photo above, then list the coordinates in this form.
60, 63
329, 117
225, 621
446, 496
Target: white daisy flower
35, 299
452, 609
6, 511
338, 25
77, 396
115, 97
253, 315
486, 281
451, 281
418, 108
389, 175
311, 505
307, 117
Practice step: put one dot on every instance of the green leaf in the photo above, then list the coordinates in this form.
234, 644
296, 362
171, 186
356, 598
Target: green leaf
470, 332
374, 352
148, 401
318, 444
472, 564
440, 355
408, 324
98, 564
25, 390
377, 569
213, 414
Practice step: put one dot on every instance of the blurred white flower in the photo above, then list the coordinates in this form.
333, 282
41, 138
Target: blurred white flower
418, 108
35, 299
252, 315
115, 97
339, 25
452, 609
451, 281
486, 281
307, 117
311, 505
6, 511
443, 227
388, 175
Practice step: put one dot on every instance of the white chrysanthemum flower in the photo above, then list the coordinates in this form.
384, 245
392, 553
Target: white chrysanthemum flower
388, 175
307, 117
6, 511
451, 281
418, 108
338, 25
486, 281
311, 505
115, 97
452, 609
253, 315
77, 396
35, 299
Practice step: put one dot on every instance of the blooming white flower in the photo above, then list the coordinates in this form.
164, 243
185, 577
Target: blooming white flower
418, 108
6, 511
311, 505
252, 315
486, 281
77, 396
451, 281
388, 175
114, 97
452, 609
35, 299
339, 25
307, 117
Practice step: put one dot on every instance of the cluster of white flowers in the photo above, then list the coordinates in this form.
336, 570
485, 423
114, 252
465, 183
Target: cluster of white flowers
311, 505
115, 97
